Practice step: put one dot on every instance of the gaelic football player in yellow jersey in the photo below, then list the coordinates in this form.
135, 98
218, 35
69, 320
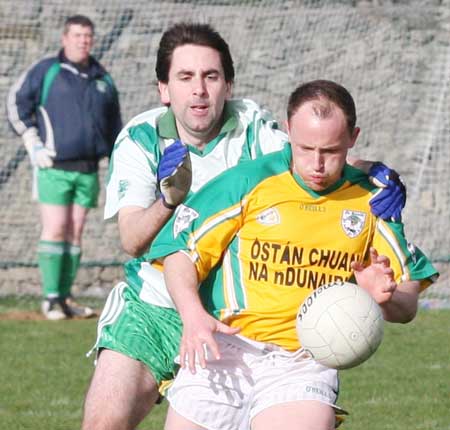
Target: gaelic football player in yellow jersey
199, 126
258, 239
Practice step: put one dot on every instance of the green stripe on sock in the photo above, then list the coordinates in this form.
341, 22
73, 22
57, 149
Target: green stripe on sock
71, 263
50, 261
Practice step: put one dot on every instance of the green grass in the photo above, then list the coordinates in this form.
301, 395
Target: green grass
406, 384
44, 375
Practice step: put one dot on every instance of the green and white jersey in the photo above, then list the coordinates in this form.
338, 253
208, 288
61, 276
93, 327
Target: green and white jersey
247, 133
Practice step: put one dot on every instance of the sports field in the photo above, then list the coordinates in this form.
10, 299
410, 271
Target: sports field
44, 375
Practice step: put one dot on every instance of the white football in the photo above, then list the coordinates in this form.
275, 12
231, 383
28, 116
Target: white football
340, 324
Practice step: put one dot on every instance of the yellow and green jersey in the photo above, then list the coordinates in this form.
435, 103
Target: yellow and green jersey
261, 241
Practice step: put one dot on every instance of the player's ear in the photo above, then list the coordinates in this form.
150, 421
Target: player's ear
354, 136
286, 126
229, 90
164, 93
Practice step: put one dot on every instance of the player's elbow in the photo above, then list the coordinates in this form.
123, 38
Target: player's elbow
132, 244
132, 252
134, 249
410, 313
405, 302
400, 313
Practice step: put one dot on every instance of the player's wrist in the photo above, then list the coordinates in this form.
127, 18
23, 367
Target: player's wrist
166, 204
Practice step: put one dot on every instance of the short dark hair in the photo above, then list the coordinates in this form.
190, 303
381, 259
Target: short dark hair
82, 20
185, 33
323, 89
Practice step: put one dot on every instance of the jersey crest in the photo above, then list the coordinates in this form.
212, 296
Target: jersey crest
101, 86
185, 215
353, 222
270, 216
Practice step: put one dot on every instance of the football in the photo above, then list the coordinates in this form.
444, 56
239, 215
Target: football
340, 324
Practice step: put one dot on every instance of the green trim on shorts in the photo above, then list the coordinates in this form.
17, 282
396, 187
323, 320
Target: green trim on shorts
147, 333
60, 187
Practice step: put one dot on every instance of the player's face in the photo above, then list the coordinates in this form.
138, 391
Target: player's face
196, 92
77, 43
319, 145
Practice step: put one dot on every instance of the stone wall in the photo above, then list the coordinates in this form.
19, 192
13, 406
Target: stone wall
393, 56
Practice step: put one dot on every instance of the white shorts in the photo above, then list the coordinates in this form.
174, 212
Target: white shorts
249, 377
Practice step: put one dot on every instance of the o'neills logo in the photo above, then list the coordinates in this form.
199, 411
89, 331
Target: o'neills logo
312, 208
353, 222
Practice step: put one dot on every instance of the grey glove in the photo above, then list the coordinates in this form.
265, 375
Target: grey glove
40, 156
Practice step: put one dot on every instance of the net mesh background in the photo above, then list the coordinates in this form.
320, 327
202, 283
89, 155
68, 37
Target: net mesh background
393, 56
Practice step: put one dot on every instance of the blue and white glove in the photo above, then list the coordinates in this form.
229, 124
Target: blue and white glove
389, 201
40, 156
174, 174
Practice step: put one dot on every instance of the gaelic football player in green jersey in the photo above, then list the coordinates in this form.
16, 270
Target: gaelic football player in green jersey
200, 129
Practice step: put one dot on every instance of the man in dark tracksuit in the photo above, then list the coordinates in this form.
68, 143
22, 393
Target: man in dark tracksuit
66, 110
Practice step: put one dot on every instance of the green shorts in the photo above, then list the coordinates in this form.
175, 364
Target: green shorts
59, 187
150, 334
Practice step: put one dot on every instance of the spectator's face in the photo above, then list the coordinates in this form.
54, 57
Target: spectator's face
196, 92
77, 43
319, 145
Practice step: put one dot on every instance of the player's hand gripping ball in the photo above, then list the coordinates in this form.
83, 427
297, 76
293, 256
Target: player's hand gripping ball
340, 324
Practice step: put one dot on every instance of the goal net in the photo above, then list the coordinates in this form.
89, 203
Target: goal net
393, 56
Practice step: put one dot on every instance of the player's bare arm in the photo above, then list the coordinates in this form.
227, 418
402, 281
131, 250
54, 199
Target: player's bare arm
198, 326
397, 301
138, 226
402, 307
